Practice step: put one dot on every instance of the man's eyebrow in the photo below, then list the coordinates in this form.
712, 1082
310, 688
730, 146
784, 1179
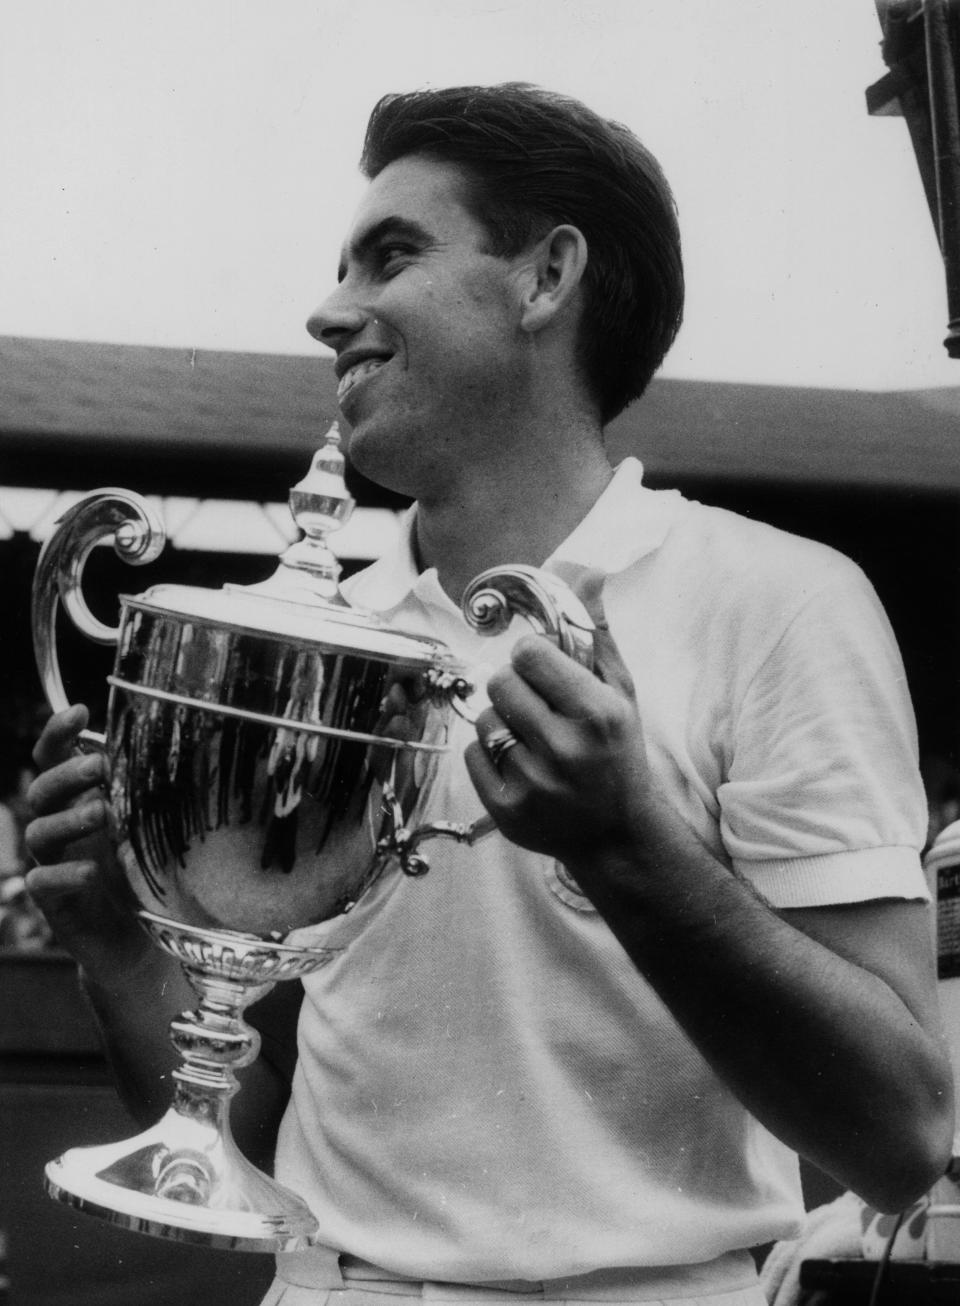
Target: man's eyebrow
393, 227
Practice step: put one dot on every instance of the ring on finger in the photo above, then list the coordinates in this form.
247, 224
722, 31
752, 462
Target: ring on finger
498, 743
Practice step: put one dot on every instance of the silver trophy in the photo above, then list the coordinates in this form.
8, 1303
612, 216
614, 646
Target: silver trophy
271, 750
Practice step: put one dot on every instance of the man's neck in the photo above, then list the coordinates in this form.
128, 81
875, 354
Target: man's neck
511, 514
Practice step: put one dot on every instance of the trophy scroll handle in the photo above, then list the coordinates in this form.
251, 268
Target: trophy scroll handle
138, 537
496, 596
489, 604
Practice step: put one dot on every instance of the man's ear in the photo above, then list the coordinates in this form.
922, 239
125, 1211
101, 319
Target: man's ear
554, 269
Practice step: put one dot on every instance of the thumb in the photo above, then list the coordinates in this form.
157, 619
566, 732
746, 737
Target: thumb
608, 665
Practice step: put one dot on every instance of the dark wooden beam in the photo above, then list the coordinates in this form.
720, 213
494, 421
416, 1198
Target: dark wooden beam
920, 43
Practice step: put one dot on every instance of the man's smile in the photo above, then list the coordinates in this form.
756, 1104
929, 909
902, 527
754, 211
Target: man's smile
356, 372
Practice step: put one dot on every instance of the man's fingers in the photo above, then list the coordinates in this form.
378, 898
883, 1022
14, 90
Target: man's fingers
48, 837
490, 778
59, 736
65, 783
51, 886
517, 706
64, 796
480, 769
86, 914
569, 689
609, 666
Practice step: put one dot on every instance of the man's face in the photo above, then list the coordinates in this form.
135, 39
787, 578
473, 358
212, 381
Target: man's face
425, 325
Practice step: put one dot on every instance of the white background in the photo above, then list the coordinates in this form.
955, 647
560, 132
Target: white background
181, 173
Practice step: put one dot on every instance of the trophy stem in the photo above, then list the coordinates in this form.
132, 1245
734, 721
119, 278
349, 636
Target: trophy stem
185, 1178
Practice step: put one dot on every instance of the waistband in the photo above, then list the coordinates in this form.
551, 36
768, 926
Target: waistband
733, 1273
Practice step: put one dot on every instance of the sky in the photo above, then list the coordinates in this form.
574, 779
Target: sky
182, 174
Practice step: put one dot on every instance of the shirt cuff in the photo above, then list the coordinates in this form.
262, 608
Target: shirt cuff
861, 875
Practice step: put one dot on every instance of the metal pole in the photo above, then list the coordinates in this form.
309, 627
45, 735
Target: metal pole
940, 18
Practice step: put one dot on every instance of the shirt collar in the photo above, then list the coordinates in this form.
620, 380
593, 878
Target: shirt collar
386, 583
627, 522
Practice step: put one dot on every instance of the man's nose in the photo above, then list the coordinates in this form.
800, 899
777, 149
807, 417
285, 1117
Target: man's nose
335, 318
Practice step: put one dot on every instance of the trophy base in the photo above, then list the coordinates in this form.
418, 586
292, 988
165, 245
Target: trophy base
157, 1183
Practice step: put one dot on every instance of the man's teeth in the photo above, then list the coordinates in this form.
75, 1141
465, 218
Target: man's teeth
357, 373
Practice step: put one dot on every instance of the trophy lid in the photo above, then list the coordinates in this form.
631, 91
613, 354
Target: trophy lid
302, 600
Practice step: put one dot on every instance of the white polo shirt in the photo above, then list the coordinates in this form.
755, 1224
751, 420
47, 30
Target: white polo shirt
486, 1088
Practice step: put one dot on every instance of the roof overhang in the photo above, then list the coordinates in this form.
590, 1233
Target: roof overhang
182, 421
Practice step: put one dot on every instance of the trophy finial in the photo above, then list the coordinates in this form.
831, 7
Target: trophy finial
320, 503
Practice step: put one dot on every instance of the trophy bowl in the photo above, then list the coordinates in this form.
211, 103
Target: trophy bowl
270, 751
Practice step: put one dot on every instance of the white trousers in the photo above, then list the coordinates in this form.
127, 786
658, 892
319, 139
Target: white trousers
319, 1278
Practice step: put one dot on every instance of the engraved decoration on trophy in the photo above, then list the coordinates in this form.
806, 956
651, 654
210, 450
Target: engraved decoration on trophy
271, 750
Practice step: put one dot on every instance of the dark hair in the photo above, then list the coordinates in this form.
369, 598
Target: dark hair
534, 159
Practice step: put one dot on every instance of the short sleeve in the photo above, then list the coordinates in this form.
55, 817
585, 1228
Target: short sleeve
823, 802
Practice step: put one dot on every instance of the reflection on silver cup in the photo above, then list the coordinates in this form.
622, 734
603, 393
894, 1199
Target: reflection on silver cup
261, 811
271, 750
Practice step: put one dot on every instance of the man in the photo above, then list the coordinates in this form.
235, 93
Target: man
576, 1059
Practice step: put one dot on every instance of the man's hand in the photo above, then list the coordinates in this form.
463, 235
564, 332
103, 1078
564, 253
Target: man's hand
77, 884
578, 779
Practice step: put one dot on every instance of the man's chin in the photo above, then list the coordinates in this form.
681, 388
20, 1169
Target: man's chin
372, 453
